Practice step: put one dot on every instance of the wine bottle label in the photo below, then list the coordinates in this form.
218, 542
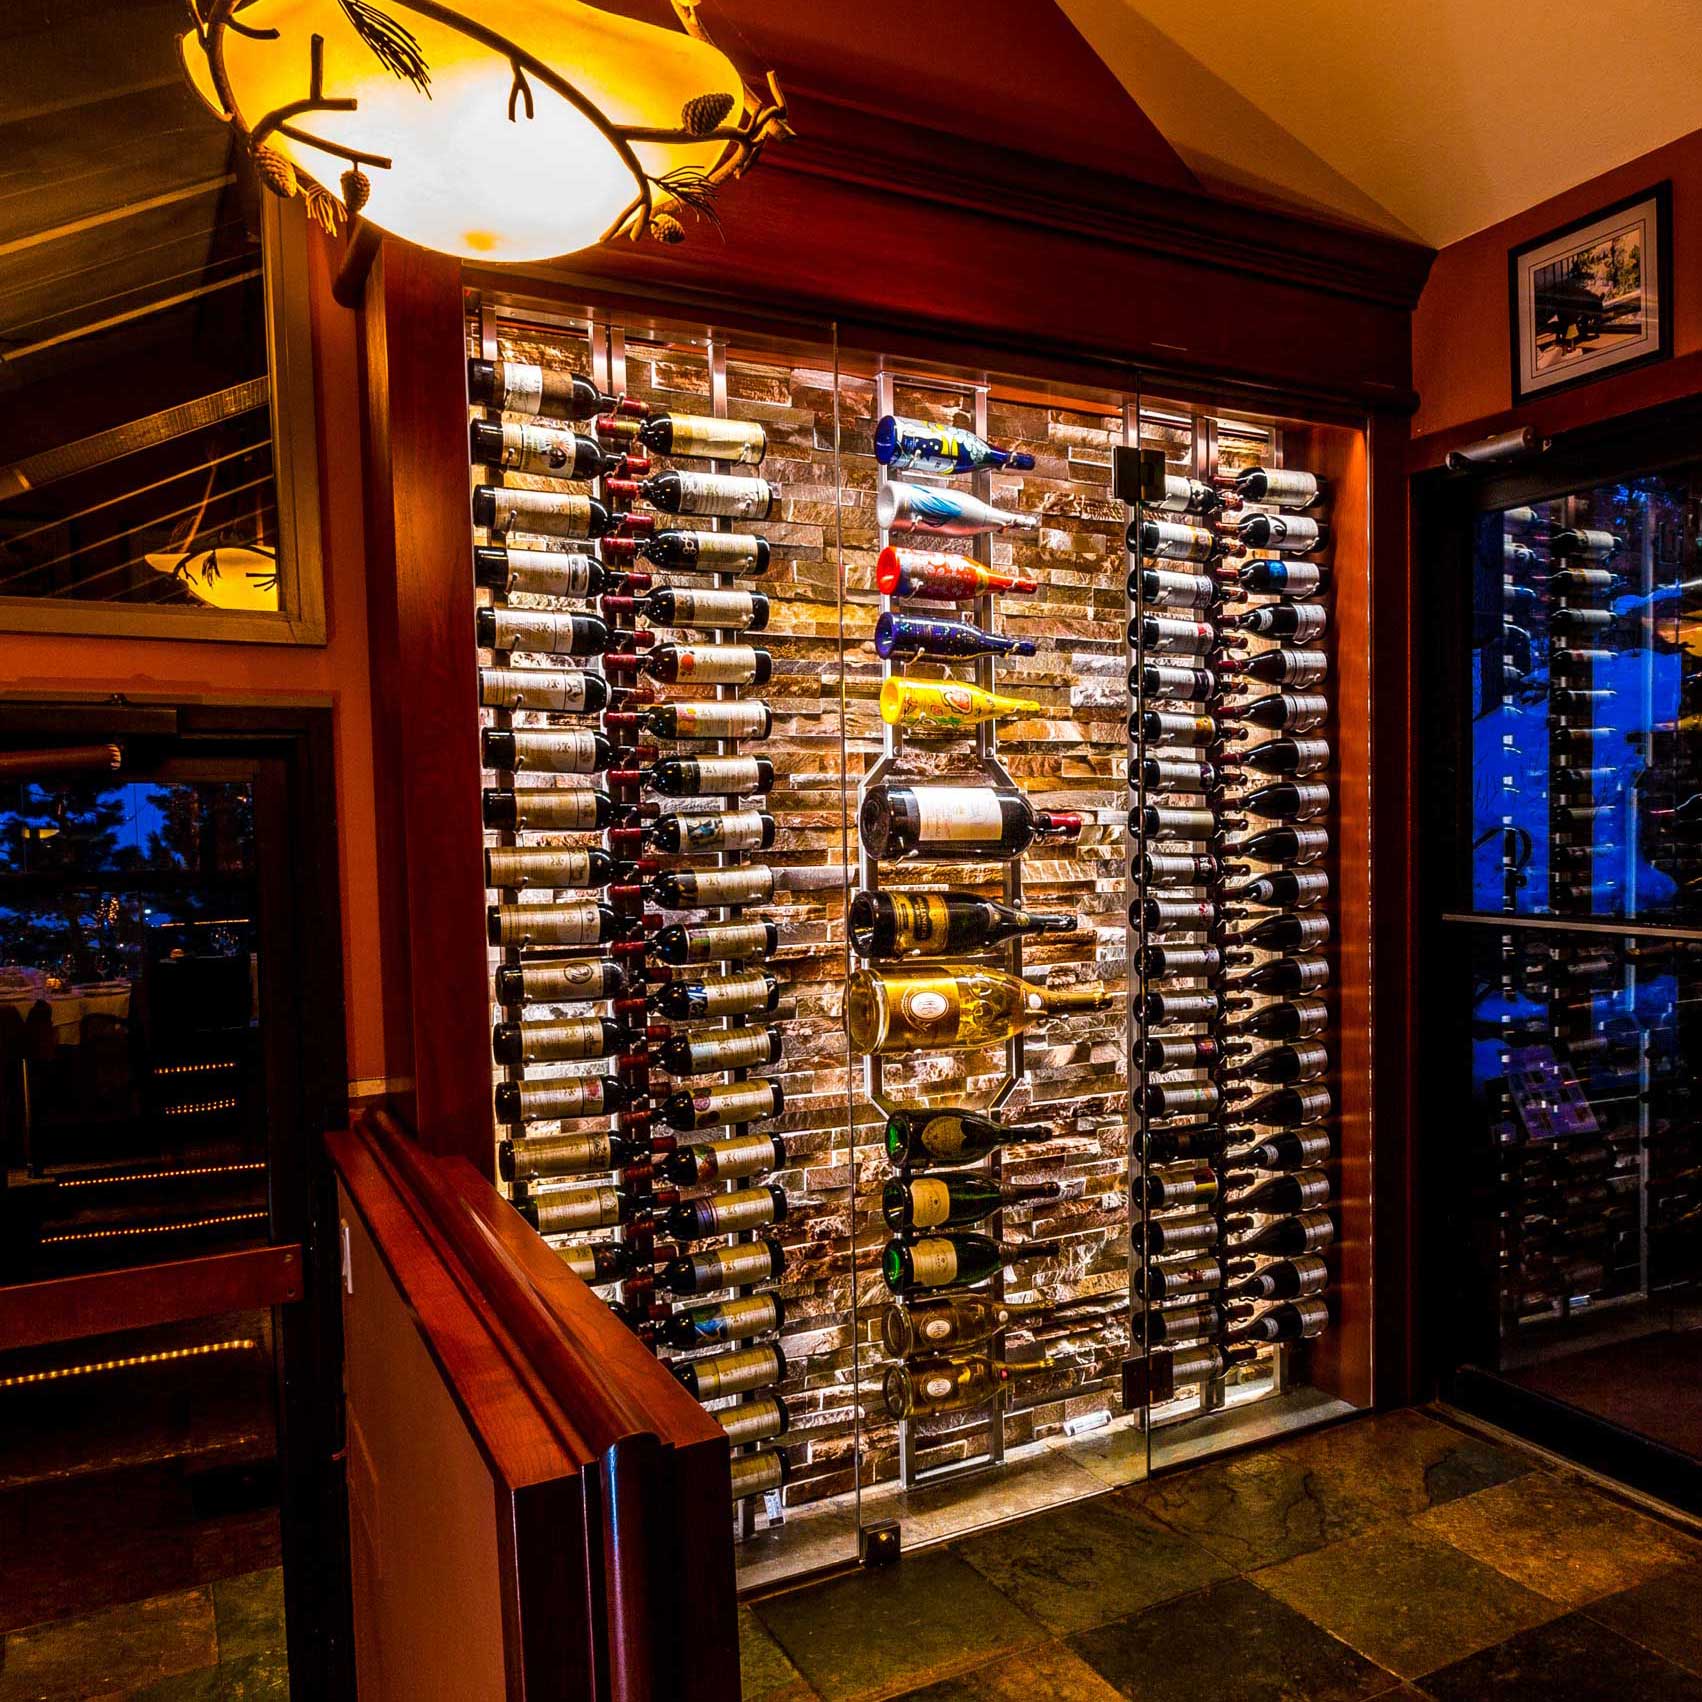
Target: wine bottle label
734, 1373
945, 1138
1312, 1104
1185, 960
730, 720
728, 1051
556, 1042
517, 868
718, 609
732, 1102
1310, 972
544, 630
1293, 531
1301, 667
1178, 590
1168, 633
753, 1421
756, 1474
726, 942
707, 889
738, 1155
724, 552
1181, 912
1289, 485
1176, 1097
560, 1213
549, 514
1177, 871
1184, 496
1310, 843
719, 494
727, 995
582, 1261
958, 813
1166, 726
1310, 755
736, 830
562, 1155
930, 1203
1310, 930
716, 664
731, 1267
556, 751
933, 1262
930, 1007
1183, 823
549, 924
538, 449
936, 1385
748, 1316
1169, 538
713, 439
533, 688
542, 983
1163, 680
549, 573
727, 775
1174, 776
1185, 1007
580, 1096
748, 1208
1309, 619
1292, 578
919, 922
520, 386
1312, 1061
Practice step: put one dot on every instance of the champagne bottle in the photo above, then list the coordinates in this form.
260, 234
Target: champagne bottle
1283, 1064
538, 573
1287, 487
1285, 976
530, 868
502, 509
903, 508
560, 1099
944, 924
1294, 889
1284, 845
1290, 533
523, 387
741, 1265
543, 449
716, 996
722, 1104
708, 718
724, 1160
550, 1156
706, 776
703, 437
1286, 1021
942, 578
1298, 757
708, 552
555, 689
1285, 1279
585, 922
928, 1388
931, 1202
723, 1321
960, 1259
555, 983
1162, 588
548, 809
545, 750
709, 1054
734, 1373
766, 1472
1170, 540
949, 1137
564, 1041
922, 446
1287, 1321
1293, 1149
1286, 1107
955, 823
953, 1011
711, 889
597, 1262
722, 830
709, 610
713, 494
908, 635
724, 1214
716, 942
754, 1421
1286, 1237
943, 704
1284, 620
942, 1323
1282, 578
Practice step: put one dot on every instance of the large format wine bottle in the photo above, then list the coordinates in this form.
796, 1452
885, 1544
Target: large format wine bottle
901, 507
948, 1202
946, 1137
941, 924
912, 635
961, 824
716, 494
942, 578
946, 704
953, 1011
907, 444
523, 387
943, 1261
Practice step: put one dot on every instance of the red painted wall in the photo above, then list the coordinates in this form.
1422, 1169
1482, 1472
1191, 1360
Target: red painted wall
1460, 352
337, 672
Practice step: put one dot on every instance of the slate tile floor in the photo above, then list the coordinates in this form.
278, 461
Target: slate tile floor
1391, 1557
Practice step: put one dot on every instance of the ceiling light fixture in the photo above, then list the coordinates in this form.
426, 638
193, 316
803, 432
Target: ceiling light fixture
439, 128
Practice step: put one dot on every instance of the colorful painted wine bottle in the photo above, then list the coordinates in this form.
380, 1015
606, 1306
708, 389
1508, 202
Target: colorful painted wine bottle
930, 448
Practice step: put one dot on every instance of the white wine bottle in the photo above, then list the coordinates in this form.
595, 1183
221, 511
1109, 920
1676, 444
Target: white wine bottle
954, 1011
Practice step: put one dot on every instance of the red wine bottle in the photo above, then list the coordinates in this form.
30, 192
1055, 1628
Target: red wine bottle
502, 509
523, 387
708, 552
715, 494
1298, 757
1289, 1021
539, 573
721, 830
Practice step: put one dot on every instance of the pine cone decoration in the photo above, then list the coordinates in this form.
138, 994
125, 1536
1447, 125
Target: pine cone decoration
357, 189
276, 173
702, 113
664, 227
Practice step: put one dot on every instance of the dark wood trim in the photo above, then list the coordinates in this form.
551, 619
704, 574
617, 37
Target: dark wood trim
64, 1309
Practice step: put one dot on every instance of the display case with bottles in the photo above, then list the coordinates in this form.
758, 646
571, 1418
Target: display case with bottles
824, 840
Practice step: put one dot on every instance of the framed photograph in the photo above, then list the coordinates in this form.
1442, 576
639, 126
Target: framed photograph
1594, 297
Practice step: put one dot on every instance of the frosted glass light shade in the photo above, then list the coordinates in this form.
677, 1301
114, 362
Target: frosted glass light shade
463, 177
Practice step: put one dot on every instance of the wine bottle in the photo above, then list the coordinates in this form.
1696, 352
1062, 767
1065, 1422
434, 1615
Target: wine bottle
766, 1472
944, 924
1168, 960
1160, 914
955, 823
924, 447
1584, 541
1283, 1194
1285, 1279
706, 776
1282, 578
1168, 727
724, 1214
565, 1040
722, 1104
1187, 868
502, 509
932, 1202
712, 889
723, 1321
1174, 1187
545, 750
1177, 774
1571, 581
538, 573
546, 1156
529, 868
754, 1421
556, 983
717, 995
1280, 667
1287, 487
953, 1011
1162, 679
543, 449
565, 1211
1170, 540
720, 495
724, 1160
1285, 976
1284, 845
708, 552
1174, 821
1289, 888
742, 1265
703, 437
942, 578
907, 635
1283, 1064
1181, 1099
1290, 533
941, 1323
716, 942
905, 508
729, 1049
925, 1138
722, 830
1168, 1235
963, 1258
1169, 590
734, 1373
1287, 932
1284, 620
1199, 1274
1287, 1321
700, 664
708, 611
1286, 1107
1155, 1379
1186, 496
523, 387
1171, 633
946, 704
554, 689
709, 718
597, 1262
585, 922
1298, 757
1286, 1237
931, 1387
1165, 1326
560, 1099
1293, 1149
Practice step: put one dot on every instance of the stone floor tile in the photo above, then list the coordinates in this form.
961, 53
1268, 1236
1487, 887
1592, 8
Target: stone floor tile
1097, 1560
765, 1675
1560, 1538
1050, 1673
1572, 1657
250, 1678
119, 1648
1409, 1601
249, 1612
879, 1633
1229, 1643
1664, 1614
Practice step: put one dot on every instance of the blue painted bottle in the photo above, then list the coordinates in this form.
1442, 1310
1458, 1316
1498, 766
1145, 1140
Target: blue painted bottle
928, 448
904, 635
